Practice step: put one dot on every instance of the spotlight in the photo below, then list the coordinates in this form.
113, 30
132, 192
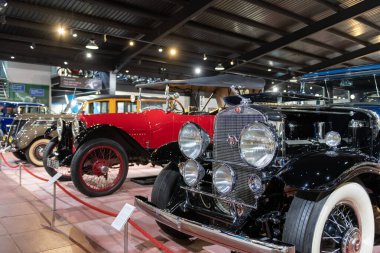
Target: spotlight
61, 30
126, 71
160, 49
204, 57
173, 51
92, 45
131, 43
12, 57
32, 46
105, 38
73, 33
232, 62
269, 70
219, 67
65, 62
197, 70
88, 55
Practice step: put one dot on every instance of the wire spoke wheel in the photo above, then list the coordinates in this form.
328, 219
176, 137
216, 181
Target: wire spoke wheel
101, 168
341, 233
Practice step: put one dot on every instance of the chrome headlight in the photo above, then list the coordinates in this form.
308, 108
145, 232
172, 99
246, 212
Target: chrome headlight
257, 145
192, 140
333, 139
192, 172
75, 128
224, 179
59, 128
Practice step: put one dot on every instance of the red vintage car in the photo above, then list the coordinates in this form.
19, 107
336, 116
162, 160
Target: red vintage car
104, 150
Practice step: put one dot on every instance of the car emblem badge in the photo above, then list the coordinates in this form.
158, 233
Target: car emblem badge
232, 140
238, 109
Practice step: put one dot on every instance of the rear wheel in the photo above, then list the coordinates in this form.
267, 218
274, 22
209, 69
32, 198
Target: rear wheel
19, 155
35, 152
99, 167
164, 188
341, 222
48, 154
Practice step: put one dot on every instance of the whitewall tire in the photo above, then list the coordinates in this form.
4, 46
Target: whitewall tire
35, 152
343, 222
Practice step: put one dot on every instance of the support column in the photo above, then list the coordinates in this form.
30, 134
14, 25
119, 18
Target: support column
112, 90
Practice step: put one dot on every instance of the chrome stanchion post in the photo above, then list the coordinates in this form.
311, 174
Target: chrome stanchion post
126, 237
19, 171
54, 197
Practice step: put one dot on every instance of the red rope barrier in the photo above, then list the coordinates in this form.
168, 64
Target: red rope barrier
6, 162
130, 221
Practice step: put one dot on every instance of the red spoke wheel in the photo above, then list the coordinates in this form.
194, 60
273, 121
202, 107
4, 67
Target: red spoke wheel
99, 167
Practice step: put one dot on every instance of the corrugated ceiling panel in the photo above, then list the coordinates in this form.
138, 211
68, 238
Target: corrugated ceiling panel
234, 26
349, 3
162, 7
373, 15
353, 27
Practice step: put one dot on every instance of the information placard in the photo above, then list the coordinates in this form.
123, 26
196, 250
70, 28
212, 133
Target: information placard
123, 216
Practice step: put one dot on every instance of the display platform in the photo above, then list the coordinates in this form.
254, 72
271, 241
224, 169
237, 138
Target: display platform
96, 226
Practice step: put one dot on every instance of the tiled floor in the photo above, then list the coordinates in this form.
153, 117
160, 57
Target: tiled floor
28, 224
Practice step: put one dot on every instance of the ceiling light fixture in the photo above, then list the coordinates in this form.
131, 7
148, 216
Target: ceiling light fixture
219, 67
65, 62
105, 38
131, 43
204, 57
173, 51
269, 70
92, 45
88, 55
197, 70
160, 49
12, 57
61, 30
32, 46
232, 62
126, 71
73, 33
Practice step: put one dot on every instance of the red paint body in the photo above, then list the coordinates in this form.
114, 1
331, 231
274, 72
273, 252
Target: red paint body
151, 128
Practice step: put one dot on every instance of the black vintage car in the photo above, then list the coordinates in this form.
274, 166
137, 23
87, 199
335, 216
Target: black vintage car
283, 172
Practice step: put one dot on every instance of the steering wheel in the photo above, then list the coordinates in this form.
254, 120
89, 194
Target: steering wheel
174, 104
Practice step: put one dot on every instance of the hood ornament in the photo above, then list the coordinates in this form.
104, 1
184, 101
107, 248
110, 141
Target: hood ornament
235, 90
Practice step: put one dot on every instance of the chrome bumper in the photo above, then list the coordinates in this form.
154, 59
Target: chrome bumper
232, 241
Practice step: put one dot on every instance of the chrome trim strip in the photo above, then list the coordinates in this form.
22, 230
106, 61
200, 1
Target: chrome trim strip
226, 199
212, 235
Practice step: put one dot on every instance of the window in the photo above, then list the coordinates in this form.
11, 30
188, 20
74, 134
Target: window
125, 106
98, 107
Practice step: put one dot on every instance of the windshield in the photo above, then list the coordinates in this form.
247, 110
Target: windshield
31, 109
350, 90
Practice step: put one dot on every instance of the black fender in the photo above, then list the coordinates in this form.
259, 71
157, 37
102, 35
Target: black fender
131, 146
169, 152
50, 130
325, 170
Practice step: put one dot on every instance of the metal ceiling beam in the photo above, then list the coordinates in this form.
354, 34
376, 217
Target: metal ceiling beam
50, 43
46, 28
337, 8
303, 19
343, 58
221, 32
167, 27
302, 33
75, 16
127, 8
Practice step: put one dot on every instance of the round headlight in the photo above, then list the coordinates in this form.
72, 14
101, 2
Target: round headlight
192, 140
224, 179
258, 145
333, 139
192, 172
75, 128
59, 128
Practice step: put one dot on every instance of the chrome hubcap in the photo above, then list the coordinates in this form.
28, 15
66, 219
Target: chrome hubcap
104, 169
351, 241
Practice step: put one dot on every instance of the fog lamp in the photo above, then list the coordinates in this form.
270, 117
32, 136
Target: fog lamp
192, 172
255, 184
333, 139
224, 179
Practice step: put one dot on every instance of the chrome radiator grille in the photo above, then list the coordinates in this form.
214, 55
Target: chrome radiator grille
16, 127
229, 124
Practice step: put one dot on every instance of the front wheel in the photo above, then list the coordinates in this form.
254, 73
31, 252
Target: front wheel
99, 167
35, 152
50, 167
19, 155
341, 222
164, 189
